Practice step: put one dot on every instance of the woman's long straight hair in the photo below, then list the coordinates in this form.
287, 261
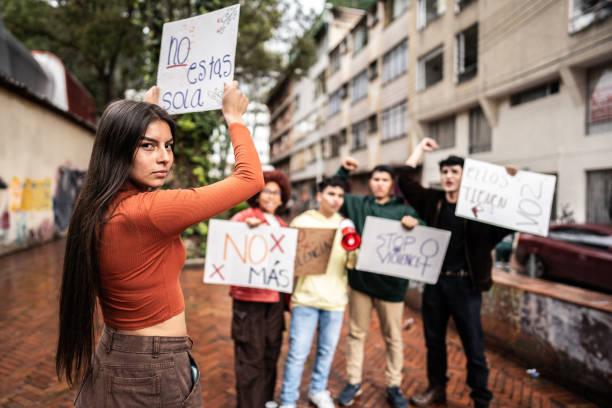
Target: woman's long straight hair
120, 132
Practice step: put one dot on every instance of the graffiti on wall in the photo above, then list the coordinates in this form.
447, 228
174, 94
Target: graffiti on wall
4, 209
30, 212
69, 183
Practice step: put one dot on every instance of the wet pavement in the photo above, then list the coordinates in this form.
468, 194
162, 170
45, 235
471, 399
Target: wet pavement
29, 283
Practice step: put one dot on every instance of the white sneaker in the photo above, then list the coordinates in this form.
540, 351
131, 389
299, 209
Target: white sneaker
322, 399
286, 406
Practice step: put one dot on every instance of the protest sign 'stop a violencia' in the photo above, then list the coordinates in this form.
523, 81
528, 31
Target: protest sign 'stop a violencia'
387, 248
522, 202
196, 58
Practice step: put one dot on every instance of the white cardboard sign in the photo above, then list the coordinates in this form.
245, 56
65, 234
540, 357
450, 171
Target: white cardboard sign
261, 257
387, 248
195, 59
489, 194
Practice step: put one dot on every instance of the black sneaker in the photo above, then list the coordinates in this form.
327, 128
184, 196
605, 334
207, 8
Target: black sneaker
348, 394
395, 398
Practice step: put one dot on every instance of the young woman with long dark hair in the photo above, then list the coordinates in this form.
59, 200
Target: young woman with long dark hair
124, 251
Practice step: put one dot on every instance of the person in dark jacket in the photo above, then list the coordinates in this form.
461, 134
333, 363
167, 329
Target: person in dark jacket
373, 291
466, 273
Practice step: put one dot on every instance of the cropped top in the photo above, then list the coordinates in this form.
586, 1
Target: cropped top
141, 253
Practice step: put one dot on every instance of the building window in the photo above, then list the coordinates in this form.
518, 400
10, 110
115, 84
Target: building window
431, 68
320, 85
311, 155
359, 86
344, 90
359, 135
334, 146
373, 123
373, 70
394, 122
534, 93
335, 100
395, 8
324, 143
583, 13
429, 10
599, 196
466, 54
334, 61
443, 132
360, 37
599, 96
462, 4
480, 132
395, 62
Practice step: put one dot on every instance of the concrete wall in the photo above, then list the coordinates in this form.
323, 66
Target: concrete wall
564, 332
43, 158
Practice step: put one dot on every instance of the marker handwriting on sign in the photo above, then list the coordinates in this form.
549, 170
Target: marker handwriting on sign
273, 277
217, 271
206, 69
487, 176
400, 249
309, 255
255, 248
226, 19
521, 202
176, 57
529, 207
483, 198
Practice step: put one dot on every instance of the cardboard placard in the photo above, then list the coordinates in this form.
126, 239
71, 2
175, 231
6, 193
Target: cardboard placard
314, 247
261, 257
195, 59
489, 194
387, 248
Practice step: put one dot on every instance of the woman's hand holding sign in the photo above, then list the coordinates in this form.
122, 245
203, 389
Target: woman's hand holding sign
253, 222
234, 103
152, 95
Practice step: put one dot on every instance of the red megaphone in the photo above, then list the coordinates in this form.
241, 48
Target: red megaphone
350, 238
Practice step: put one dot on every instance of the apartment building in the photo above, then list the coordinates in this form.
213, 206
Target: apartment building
298, 111
506, 81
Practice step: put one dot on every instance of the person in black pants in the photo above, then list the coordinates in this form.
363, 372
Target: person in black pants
466, 273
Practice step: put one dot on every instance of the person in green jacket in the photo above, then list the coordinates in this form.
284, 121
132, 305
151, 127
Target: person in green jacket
374, 291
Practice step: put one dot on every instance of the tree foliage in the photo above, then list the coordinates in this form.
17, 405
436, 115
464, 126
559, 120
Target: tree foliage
113, 45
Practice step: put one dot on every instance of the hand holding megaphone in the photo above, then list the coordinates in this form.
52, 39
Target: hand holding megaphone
350, 238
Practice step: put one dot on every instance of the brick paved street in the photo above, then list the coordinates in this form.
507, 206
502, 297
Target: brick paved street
28, 318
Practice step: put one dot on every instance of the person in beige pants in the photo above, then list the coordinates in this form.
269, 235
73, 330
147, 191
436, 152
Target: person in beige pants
390, 316
373, 291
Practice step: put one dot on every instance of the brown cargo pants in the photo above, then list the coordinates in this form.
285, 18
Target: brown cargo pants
139, 371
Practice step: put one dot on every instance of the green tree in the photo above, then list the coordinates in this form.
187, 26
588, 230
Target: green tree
113, 45
96, 40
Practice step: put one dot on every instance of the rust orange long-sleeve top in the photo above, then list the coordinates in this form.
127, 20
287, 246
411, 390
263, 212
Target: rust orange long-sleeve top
141, 252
